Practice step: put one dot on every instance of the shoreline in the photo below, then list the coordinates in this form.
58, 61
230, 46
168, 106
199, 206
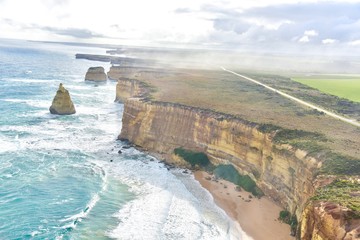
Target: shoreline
256, 217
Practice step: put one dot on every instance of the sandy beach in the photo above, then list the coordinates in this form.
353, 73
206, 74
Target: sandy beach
257, 217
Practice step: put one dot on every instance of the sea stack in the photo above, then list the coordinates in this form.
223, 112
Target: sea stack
62, 104
96, 74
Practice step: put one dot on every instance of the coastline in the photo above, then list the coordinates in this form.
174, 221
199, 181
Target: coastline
257, 217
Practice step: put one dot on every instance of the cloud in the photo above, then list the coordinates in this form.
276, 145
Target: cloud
228, 24
183, 10
328, 41
311, 33
52, 3
73, 32
282, 24
354, 43
304, 39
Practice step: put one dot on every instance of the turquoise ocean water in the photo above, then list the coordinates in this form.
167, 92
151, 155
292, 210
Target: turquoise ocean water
61, 177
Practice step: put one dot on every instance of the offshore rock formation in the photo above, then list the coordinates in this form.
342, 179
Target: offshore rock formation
96, 74
62, 104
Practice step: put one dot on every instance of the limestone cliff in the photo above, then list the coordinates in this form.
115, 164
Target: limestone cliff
283, 173
62, 104
117, 72
127, 88
96, 74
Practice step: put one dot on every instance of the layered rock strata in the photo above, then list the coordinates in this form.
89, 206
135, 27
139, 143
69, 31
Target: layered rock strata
116, 72
128, 88
62, 104
325, 220
283, 173
96, 74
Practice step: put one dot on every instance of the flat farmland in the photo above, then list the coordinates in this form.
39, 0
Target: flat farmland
344, 86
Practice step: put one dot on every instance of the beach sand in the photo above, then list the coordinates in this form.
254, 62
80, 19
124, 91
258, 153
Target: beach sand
257, 217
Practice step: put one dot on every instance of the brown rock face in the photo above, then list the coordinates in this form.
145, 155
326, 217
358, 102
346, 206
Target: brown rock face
326, 220
283, 173
96, 74
127, 88
62, 104
117, 72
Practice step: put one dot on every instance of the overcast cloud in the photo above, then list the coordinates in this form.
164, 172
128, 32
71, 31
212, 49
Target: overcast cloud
252, 25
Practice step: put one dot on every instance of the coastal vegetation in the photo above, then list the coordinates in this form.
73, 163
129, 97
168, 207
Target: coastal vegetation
194, 158
340, 165
229, 173
286, 217
314, 144
344, 191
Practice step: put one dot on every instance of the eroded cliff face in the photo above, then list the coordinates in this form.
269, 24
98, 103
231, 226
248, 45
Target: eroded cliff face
117, 72
324, 220
283, 173
127, 88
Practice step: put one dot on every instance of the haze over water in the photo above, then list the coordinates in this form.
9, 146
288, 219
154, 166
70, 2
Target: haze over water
61, 177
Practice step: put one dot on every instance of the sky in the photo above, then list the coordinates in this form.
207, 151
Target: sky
253, 25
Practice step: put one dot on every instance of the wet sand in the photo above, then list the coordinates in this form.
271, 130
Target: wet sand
257, 217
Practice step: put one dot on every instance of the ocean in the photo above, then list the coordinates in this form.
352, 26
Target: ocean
61, 177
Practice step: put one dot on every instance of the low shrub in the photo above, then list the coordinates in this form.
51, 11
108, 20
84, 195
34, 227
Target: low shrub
286, 217
229, 173
194, 158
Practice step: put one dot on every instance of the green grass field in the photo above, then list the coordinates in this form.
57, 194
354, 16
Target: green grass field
340, 85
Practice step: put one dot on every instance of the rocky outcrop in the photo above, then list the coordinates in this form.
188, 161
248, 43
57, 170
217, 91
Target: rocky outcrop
62, 104
96, 74
326, 220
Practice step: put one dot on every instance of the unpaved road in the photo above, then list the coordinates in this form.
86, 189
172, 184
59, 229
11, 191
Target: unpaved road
331, 114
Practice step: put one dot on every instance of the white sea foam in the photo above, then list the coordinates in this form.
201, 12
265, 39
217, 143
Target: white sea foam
76, 218
34, 233
79, 216
33, 103
7, 145
166, 206
26, 80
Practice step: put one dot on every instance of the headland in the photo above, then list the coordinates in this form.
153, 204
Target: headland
205, 118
